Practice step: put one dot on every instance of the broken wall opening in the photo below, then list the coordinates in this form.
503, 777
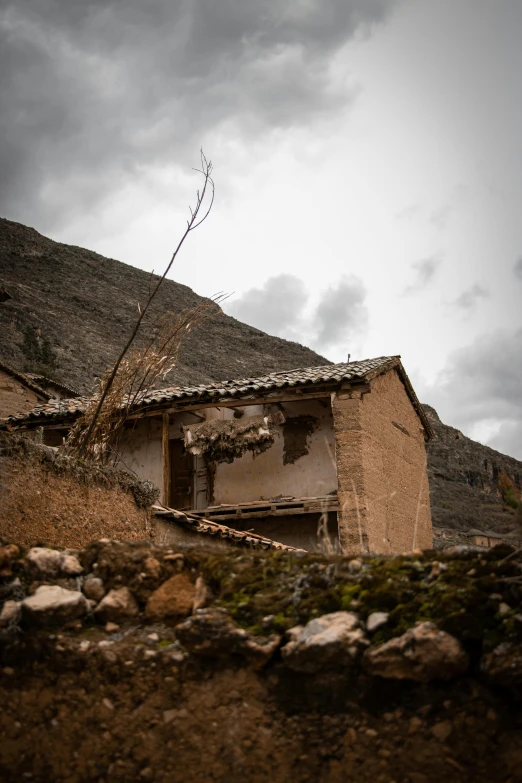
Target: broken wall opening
314, 532
299, 463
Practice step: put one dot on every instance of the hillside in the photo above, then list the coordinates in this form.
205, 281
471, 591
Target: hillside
464, 482
85, 306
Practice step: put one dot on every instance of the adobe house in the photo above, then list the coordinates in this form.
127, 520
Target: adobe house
325, 456
21, 392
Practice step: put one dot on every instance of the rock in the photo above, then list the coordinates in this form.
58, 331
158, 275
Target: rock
70, 565
52, 604
93, 588
8, 555
422, 653
503, 666
200, 595
111, 627
503, 608
117, 605
354, 566
152, 567
51, 562
212, 633
45, 561
376, 620
173, 599
442, 730
333, 639
170, 715
463, 549
10, 614
415, 725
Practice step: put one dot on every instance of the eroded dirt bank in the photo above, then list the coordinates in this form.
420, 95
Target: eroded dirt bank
136, 662
47, 497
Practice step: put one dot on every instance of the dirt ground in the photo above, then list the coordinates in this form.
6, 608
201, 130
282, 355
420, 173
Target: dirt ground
138, 699
132, 713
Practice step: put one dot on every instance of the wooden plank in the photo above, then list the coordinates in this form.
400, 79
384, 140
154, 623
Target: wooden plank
165, 457
276, 512
231, 402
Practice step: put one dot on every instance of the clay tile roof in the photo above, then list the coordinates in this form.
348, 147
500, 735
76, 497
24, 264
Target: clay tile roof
244, 387
207, 528
43, 381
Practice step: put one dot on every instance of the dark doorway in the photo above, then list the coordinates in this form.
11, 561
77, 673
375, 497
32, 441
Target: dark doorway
181, 476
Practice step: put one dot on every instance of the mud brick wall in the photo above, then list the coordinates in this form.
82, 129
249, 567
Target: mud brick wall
15, 397
383, 482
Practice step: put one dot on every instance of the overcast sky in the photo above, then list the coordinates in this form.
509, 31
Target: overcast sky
367, 158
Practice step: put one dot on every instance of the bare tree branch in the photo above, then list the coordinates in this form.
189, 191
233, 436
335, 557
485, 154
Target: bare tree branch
193, 223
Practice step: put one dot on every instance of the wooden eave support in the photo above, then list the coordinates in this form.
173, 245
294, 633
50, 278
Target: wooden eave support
197, 415
165, 458
233, 403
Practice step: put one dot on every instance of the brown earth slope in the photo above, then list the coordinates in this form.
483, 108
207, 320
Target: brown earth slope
86, 305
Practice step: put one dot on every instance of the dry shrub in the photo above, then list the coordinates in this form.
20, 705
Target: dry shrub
138, 373
508, 489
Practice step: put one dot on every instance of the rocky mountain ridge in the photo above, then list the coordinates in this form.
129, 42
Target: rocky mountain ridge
471, 485
83, 306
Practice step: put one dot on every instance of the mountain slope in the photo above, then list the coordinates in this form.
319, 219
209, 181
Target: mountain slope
465, 482
85, 306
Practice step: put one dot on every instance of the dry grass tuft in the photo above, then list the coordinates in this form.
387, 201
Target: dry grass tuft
138, 373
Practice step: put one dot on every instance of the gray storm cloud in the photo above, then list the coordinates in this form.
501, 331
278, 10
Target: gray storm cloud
92, 92
280, 307
341, 313
424, 273
275, 307
471, 296
483, 383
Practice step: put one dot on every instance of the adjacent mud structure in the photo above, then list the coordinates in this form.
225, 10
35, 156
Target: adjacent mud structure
137, 662
54, 500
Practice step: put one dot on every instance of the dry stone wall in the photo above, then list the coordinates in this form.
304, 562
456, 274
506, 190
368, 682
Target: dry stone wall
137, 662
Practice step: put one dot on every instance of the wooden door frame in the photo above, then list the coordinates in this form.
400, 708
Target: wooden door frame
165, 451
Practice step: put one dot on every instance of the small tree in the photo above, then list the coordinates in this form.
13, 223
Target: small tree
39, 353
136, 371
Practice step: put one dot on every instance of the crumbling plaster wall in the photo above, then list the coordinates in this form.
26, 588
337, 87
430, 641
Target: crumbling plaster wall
247, 478
266, 476
141, 447
140, 450
381, 458
15, 397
